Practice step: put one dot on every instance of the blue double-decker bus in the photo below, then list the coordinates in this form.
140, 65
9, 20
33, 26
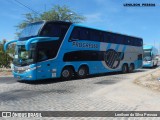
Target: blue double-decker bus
53, 49
150, 56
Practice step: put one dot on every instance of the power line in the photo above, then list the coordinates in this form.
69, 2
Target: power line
26, 6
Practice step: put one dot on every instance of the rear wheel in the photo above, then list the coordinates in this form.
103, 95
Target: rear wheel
82, 72
156, 64
131, 68
124, 68
67, 73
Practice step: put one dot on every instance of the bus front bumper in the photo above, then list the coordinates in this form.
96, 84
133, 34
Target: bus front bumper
25, 76
147, 64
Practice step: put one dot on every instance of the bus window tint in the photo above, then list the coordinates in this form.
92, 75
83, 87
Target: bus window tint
88, 34
75, 34
84, 34
47, 50
120, 39
54, 30
42, 55
140, 42
94, 35
51, 30
108, 37
80, 34
131, 42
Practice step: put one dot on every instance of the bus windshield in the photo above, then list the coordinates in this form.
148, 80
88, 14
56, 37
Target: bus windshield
31, 30
147, 55
23, 57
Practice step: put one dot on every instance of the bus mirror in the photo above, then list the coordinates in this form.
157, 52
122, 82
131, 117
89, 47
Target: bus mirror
7, 43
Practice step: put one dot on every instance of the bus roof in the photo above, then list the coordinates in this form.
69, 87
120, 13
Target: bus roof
81, 25
147, 46
48, 21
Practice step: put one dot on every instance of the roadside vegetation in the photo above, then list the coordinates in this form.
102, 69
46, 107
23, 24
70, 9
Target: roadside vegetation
57, 13
6, 57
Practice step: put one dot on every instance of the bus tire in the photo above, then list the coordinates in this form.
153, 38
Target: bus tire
131, 68
82, 72
67, 73
152, 65
156, 65
124, 68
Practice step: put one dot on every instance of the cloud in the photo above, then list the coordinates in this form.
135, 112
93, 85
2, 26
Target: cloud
110, 5
94, 17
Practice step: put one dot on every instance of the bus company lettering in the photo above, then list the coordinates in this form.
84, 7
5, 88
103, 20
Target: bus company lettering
84, 45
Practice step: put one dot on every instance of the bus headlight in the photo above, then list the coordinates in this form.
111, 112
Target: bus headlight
28, 70
29, 76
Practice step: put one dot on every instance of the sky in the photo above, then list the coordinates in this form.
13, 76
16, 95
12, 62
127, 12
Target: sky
111, 15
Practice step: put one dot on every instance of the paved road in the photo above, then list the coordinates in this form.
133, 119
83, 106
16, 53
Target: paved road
104, 92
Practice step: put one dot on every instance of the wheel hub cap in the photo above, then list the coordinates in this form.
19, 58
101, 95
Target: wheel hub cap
65, 73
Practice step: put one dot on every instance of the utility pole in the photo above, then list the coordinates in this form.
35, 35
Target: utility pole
159, 48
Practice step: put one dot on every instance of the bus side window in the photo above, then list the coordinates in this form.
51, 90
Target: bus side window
115, 38
128, 41
101, 35
121, 39
51, 30
131, 42
42, 55
104, 37
84, 34
109, 38
75, 34
95, 35
140, 43
55, 31
63, 29
137, 42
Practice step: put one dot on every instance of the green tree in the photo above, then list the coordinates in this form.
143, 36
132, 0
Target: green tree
57, 13
5, 57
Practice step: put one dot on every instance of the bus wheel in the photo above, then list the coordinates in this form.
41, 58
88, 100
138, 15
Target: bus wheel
124, 68
131, 68
82, 72
67, 73
156, 65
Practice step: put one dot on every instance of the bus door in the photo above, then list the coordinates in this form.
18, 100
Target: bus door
43, 64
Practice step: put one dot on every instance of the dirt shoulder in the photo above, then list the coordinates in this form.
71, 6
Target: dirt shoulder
5, 72
150, 80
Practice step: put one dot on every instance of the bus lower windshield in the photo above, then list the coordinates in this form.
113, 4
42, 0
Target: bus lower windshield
23, 57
